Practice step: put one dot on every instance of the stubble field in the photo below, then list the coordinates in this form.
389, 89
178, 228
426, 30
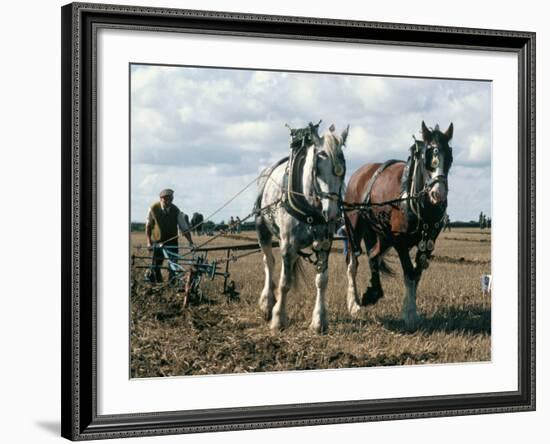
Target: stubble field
216, 336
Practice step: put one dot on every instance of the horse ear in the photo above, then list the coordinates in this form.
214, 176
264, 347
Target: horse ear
449, 132
426, 133
345, 135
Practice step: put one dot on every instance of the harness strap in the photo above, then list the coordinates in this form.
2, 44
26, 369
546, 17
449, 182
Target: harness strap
266, 175
377, 173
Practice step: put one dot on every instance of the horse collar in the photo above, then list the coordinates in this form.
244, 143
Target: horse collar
295, 202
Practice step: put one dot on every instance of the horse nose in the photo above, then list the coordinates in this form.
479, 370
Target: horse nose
435, 196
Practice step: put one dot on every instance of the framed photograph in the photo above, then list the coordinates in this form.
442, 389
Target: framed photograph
274, 221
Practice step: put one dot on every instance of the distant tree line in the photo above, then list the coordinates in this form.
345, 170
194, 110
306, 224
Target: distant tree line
469, 224
207, 226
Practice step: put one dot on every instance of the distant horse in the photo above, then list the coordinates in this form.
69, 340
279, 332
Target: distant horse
298, 202
196, 223
403, 206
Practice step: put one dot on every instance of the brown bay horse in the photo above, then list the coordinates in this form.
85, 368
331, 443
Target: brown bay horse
401, 205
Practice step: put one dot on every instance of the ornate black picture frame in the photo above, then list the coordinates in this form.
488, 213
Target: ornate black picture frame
80, 22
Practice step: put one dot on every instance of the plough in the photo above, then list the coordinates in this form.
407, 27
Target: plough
187, 268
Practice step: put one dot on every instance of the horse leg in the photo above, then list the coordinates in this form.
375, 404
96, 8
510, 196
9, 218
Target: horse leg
352, 298
267, 297
355, 234
411, 276
279, 318
319, 322
374, 291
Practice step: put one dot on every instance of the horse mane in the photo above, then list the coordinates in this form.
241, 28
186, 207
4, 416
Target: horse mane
331, 141
332, 144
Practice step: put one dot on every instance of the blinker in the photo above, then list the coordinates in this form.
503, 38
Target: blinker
338, 170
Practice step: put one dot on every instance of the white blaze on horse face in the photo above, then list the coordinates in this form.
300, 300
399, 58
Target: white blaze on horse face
330, 168
330, 184
438, 192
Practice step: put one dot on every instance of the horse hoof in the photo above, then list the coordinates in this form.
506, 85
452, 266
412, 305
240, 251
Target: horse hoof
411, 322
355, 310
266, 312
319, 328
371, 296
266, 306
276, 327
278, 322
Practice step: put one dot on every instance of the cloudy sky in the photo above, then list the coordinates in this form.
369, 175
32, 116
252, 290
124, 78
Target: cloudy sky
207, 133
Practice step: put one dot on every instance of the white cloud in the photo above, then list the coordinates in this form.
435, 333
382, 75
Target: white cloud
191, 122
249, 134
262, 82
373, 91
148, 120
478, 148
143, 77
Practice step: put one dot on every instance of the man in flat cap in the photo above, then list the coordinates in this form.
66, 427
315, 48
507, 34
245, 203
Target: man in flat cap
161, 229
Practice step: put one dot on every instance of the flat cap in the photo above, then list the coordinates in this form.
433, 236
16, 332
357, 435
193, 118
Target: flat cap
166, 192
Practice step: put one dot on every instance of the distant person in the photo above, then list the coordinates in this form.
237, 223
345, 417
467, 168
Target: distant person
231, 224
161, 228
238, 224
342, 232
197, 224
447, 223
482, 221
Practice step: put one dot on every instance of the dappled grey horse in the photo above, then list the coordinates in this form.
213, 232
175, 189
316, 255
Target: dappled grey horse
298, 202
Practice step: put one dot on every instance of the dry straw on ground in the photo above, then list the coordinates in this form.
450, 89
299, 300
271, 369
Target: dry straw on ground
217, 336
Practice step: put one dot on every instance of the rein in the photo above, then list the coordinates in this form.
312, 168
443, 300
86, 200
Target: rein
347, 206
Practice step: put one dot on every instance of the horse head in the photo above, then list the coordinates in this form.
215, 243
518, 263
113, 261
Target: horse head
329, 169
436, 158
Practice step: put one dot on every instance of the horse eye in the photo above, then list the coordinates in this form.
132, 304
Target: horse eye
436, 151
